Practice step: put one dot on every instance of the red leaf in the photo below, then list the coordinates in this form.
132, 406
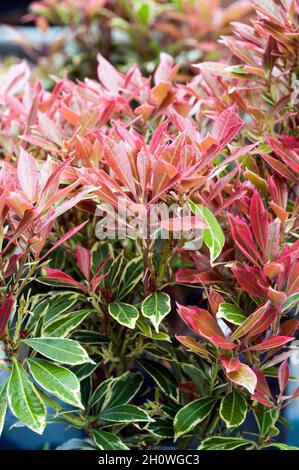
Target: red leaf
118, 160
264, 322
295, 394
84, 261
289, 327
230, 364
249, 323
293, 278
243, 238
215, 299
249, 278
259, 222
283, 375
192, 276
222, 343
64, 238
200, 321
5, 312
262, 392
63, 277
226, 126
289, 156
274, 342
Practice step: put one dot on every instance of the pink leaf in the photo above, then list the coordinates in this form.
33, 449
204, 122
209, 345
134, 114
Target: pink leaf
27, 173
283, 375
230, 364
226, 126
108, 75
275, 342
200, 321
259, 222
64, 238
249, 278
222, 343
84, 261
118, 160
243, 238
245, 377
63, 277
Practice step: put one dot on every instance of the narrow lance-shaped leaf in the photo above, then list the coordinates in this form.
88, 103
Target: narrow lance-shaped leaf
192, 414
124, 414
57, 380
213, 235
108, 441
27, 173
225, 443
274, 342
3, 404
62, 350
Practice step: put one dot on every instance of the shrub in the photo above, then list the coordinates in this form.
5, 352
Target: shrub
103, 324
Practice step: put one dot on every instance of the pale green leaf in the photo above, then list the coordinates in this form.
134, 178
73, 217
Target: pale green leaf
3, 404
213, 235
231, 313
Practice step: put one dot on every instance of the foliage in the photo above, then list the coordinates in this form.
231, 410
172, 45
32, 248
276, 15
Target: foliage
97, 333
126, 32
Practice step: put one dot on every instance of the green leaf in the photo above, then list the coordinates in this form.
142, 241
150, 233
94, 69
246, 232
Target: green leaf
124, 414
123, 389
132, 274
62, 350
213, 235
231, 313
281, 446
125, 314
52, 307
233, 409
225, 443
108, 441
265, 418
192, 414
98, 396
85, 370
291, 302
3, 404
57, 380
155, 307
93, 338
63, 325
24, 400
161, 427
163, 378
